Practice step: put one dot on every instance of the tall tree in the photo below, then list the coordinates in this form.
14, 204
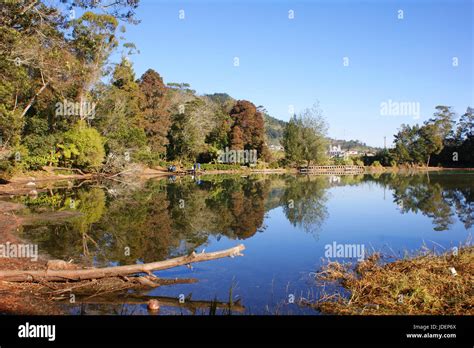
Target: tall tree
119, 115
237, 141
93, 39
465, 129
154, 106
291, 141
305, 137
443, 120
250, 121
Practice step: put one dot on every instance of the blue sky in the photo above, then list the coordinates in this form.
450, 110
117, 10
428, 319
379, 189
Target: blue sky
285, 62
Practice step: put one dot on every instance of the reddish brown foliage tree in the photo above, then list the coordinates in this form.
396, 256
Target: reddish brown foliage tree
250, 122
236, 142
154, 105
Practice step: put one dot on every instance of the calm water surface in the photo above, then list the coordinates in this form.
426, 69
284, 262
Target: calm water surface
285, 223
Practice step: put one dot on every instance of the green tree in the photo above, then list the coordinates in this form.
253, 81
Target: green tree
304, 202
119, 115
465, 128
291, 141
443, 120
430, 141
85, 147
305, 137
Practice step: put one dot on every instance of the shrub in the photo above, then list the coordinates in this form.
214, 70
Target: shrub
151, 159
376, 164
274, 165
84, 146
6, 169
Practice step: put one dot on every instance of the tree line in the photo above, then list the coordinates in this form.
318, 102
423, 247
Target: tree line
443, 140
64, 103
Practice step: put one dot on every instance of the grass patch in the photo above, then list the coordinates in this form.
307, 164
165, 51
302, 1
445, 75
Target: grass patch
220, 166
423, 284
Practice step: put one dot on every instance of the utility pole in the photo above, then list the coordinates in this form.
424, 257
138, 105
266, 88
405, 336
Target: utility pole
385, 143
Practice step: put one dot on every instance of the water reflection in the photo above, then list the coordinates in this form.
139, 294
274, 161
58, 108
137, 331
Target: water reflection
441, 197
304, 201
158, 219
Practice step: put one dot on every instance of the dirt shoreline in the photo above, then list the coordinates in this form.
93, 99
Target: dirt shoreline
20, 299
46, 176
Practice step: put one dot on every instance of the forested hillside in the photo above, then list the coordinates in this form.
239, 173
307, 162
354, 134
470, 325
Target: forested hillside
64, 103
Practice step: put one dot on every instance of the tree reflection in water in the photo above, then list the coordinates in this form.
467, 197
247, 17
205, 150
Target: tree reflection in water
160, 219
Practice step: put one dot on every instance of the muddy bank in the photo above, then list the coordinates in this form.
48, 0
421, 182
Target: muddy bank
43, 181
23, 299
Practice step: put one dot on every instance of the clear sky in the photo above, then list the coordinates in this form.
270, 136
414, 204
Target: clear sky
284, 62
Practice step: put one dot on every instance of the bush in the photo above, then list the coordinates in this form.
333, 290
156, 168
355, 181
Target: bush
126, 139
260, 165
376, 164
12, 161
6, 169
151, 159
84, 146
342, 161
274, 165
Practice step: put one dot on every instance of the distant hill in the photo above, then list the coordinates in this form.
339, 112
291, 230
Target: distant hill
274, 127
220, 98
354, 145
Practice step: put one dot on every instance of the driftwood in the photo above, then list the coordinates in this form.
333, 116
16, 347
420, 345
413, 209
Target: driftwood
50, 169
97, 273
106, 287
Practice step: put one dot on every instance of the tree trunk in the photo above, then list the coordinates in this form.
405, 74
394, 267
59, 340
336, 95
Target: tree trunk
32, 100
97, 273
428, 162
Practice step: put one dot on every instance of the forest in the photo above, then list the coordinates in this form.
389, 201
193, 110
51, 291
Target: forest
64, 102
444, 140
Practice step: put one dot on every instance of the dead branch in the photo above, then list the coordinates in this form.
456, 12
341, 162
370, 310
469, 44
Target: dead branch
97, 273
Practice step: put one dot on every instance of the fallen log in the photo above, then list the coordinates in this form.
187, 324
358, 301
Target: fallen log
97, 273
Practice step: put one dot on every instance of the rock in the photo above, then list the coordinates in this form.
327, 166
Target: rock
33, 193
153, 305
58, 265
30, 184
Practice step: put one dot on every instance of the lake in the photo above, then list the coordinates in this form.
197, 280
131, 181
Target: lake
287, 223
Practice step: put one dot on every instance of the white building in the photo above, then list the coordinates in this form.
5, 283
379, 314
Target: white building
336, 151
352, 153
